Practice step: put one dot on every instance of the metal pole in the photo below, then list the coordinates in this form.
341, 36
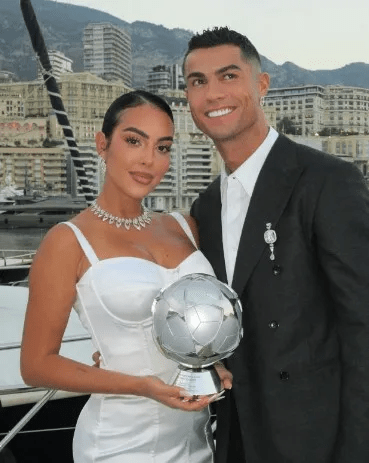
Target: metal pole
13, 432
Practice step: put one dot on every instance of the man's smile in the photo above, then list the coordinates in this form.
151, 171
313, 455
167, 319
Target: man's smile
219, 112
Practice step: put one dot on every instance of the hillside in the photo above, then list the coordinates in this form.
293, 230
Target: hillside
63, 24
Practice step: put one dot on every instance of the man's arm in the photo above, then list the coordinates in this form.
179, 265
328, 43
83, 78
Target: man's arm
341, 228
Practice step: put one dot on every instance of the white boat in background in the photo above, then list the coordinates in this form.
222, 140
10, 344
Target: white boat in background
8, 193
52, 433
15, 265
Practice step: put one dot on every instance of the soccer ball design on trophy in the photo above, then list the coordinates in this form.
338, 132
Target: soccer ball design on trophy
196, 322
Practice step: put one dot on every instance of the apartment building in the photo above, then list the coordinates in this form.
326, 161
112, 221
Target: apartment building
194, 157
41, 168
311, 109
107, 52
86, 98
59, 63
303, 106
11, 102
27, 123
165, 78
346, 110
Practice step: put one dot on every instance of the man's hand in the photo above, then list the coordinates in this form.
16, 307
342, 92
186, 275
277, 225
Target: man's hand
225, 375
96, 356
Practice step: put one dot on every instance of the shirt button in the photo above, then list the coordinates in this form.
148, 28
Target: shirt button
277, 269
273, 325
284, 375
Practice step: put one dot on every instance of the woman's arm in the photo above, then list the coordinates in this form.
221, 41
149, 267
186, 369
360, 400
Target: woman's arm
52, 283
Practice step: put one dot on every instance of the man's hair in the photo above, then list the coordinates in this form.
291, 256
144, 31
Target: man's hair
224, 36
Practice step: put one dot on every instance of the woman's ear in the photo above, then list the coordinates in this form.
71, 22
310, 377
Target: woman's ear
101, 144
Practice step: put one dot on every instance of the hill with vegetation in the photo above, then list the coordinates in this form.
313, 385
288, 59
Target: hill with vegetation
62, 26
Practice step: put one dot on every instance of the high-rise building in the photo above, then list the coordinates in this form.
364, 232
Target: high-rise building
165, 77
107, 52
59, 62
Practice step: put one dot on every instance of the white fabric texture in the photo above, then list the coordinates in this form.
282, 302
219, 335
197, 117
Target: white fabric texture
114, 300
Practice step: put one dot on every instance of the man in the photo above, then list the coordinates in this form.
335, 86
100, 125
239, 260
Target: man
288, 227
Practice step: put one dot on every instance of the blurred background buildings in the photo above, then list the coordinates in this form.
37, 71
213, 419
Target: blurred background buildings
332, 118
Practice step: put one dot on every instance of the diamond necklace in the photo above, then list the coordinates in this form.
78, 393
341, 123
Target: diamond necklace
137, 222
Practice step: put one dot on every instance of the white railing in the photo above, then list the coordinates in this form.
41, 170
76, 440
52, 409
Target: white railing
14, 258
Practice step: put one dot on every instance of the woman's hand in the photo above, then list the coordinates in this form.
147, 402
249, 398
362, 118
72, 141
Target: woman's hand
174, 396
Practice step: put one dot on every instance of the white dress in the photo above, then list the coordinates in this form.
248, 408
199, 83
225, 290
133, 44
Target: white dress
114, 300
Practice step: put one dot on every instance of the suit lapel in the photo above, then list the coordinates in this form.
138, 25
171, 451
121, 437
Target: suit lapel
272, 191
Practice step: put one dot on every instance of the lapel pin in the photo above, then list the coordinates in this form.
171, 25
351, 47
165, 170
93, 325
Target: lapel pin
270, 237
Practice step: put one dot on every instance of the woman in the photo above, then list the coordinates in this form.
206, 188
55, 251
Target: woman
109, 263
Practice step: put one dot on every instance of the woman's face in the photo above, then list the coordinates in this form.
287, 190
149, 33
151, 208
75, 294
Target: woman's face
138, 154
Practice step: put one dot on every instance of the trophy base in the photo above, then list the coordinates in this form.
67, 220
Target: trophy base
197, 381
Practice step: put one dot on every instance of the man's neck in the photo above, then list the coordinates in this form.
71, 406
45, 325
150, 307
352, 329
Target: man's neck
236, 151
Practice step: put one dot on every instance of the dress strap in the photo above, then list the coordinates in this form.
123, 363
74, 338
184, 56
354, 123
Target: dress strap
85, 245
184, 224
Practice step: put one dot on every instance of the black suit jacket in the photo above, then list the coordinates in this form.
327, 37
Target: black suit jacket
301, 372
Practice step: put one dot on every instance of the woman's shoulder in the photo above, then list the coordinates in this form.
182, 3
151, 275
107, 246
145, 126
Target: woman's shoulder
59, 245
59, 236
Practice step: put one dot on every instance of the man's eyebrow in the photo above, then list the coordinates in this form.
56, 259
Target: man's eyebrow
195, 74
227, 68
201, 75
144, 134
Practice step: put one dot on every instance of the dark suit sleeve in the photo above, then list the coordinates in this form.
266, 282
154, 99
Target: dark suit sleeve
194, 211
341, 230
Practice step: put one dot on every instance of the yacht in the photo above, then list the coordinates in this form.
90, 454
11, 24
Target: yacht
36, 425
39, 212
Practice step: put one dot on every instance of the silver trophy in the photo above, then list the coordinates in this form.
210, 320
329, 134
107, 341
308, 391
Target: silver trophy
197, 321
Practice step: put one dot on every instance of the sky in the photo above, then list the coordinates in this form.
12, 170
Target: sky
313, 34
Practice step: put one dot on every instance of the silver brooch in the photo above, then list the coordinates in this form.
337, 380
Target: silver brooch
270, 237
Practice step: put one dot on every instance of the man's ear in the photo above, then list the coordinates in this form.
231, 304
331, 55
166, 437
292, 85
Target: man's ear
264, 82
186, 92
101, 144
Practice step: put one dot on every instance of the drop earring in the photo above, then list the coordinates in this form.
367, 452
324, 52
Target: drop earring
102, 165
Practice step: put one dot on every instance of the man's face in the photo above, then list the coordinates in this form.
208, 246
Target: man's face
224, 91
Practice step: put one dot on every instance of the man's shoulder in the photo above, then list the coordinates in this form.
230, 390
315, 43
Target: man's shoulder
211, 193
310, 157
212, 188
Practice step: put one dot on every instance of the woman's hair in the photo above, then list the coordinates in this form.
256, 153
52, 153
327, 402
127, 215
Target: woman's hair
131, 100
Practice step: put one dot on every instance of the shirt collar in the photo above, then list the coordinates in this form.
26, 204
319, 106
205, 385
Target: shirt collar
248, 172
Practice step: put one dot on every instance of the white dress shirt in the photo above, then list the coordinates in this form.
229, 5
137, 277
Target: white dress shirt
236, 190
